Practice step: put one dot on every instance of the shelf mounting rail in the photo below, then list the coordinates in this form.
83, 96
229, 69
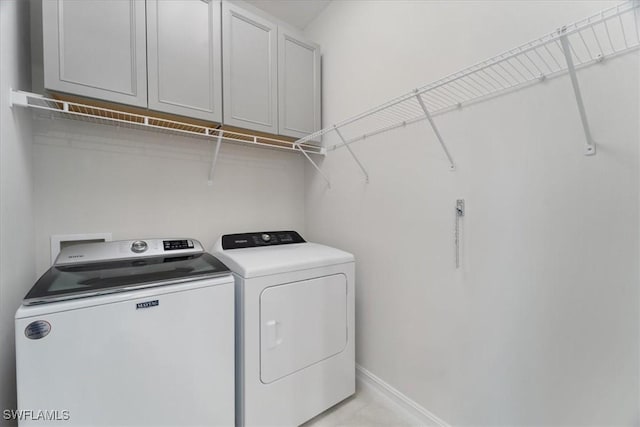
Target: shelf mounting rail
607, 34
72, 110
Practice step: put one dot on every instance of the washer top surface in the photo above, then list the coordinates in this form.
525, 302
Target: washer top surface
279, 258
94, 269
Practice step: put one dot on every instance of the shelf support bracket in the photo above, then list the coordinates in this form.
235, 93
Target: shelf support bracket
452, 165
344, 143
215, 156
314, 164
590, 148
19, 98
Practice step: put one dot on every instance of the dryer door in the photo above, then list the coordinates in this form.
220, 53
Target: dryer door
302, 323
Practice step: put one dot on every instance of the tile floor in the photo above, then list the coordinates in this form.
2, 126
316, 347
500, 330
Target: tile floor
366, 408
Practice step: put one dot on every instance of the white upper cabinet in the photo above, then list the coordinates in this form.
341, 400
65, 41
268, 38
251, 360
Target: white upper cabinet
249, 58
298, 85
222, 62
183, 52
96, 48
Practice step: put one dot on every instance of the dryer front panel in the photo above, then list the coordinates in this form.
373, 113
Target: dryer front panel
301, 324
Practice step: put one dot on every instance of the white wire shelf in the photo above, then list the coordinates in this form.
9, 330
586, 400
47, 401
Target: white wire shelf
610, 33
93, 114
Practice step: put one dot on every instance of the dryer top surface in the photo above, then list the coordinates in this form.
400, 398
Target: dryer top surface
269, 260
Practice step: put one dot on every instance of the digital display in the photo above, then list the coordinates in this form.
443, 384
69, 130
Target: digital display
172, 245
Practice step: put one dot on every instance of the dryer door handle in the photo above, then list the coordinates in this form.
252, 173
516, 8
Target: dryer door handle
274, 337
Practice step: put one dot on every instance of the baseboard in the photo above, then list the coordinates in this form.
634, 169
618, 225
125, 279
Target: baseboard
367, 379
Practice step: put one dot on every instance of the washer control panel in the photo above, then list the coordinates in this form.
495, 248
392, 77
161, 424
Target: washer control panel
261, 238
125, 249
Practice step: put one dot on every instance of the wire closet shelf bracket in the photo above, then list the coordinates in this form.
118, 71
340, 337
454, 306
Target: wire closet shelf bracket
609, 33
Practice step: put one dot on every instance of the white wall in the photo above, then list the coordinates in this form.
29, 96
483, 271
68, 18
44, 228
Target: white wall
17, 269
540, 325
136, 184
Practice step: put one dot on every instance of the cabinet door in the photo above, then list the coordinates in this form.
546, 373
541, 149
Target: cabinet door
298, 85
183, 51
96, 48
249, 57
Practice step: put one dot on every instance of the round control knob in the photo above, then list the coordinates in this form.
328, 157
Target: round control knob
139, 246
266, 237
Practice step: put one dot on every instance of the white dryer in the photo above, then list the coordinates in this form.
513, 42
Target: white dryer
295, 346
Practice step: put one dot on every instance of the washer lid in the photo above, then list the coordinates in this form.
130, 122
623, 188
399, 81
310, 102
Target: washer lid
63, 282
263, 261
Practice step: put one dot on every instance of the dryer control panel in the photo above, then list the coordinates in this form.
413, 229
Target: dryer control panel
259, 239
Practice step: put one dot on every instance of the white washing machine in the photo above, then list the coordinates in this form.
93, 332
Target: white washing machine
295, 344
128, 333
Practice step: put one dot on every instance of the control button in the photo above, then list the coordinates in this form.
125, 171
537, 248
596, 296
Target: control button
266, 237
139, 246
